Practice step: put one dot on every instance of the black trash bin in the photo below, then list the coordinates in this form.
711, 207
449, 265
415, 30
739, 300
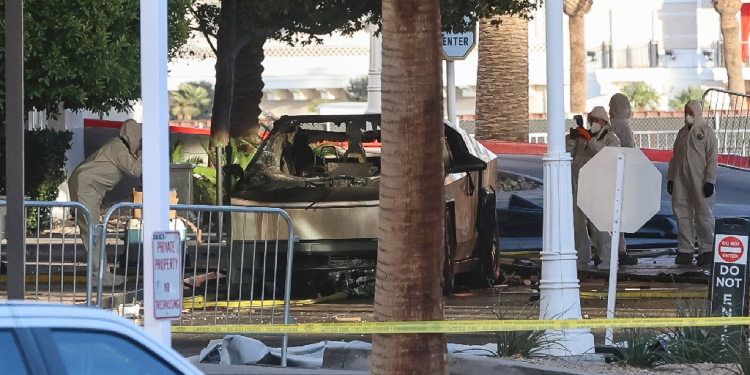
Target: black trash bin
728, 288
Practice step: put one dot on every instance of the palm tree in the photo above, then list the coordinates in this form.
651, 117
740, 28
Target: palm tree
576, 9
411, 217
188, 101
730, 29
686, 95
642, 96
503, 80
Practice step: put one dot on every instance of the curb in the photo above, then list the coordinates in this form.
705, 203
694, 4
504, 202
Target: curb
210, 369
515, 148
356, 359
539, 149
659, 156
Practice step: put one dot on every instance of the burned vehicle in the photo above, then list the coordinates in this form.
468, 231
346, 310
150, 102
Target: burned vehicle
324, 171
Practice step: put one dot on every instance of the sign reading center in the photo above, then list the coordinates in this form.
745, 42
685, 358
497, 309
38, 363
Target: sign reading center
167, 275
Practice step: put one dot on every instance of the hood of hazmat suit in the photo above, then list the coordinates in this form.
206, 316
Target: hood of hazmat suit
131, 132
582, 150
620, 113
694, 164
101, 171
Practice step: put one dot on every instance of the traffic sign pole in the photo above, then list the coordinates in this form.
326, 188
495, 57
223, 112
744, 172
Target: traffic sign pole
612, 295
450, 69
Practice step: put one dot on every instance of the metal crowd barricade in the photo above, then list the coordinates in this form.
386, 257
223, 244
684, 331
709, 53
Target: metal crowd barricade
232, 259
55, 248
728, 113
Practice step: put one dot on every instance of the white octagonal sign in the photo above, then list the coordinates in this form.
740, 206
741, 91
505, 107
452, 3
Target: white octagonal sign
641, 194
458, 46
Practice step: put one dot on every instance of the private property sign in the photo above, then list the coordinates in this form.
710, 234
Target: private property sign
729, 276
167, 275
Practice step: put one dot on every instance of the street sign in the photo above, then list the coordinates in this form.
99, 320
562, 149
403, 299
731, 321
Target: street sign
641, 193
730, 249
457, 46
167, 275
728, 289
619, 190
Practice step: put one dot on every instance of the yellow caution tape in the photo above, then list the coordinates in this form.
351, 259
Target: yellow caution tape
646, 294
462, 326
49, 278
199, 302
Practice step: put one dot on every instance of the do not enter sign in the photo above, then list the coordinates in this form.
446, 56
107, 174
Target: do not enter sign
731, 249
728, 288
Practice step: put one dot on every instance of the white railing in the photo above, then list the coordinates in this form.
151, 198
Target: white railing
537, 137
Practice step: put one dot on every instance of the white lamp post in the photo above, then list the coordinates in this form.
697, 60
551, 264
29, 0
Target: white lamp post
559, 287
376, 67
155, 146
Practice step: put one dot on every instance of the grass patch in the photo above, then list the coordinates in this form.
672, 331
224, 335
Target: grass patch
519, 343
695, 344
642, 348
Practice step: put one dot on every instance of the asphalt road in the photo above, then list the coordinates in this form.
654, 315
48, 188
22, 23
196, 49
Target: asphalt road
732, 198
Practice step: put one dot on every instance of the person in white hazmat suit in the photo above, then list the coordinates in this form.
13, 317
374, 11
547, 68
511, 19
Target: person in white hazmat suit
690, 181
97, 175
583, 144
619, 115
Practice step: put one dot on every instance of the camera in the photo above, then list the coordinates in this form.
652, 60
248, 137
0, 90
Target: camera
579, 120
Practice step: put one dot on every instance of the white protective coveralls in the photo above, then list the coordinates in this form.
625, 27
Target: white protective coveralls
694, 164
97, 175
582, 151
619, 115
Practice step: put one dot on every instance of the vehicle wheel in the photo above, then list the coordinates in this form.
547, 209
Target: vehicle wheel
491, 265
488, 243
449, 275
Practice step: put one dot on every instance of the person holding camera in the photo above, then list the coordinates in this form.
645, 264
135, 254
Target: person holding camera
583, 144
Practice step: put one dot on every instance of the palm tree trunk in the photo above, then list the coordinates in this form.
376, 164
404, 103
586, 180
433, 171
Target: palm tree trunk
411, 216
577, 64
248, 89
503, 81
730, 29
226, 53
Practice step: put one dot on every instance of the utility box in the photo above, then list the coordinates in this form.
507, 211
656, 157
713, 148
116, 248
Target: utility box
181, 180
729, 275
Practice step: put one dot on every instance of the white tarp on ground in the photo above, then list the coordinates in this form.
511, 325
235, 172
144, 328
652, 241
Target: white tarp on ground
240, 350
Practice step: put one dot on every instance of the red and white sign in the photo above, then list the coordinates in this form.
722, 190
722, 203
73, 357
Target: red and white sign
167, 275
730, 249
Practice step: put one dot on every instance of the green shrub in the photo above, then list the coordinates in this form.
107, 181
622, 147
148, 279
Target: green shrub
640, 350
44, 169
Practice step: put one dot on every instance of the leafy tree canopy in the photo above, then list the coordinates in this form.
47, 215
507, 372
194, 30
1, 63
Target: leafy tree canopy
245, 26
85, 54
642, 96
189, 101
356, 91
304, 21
686, 95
